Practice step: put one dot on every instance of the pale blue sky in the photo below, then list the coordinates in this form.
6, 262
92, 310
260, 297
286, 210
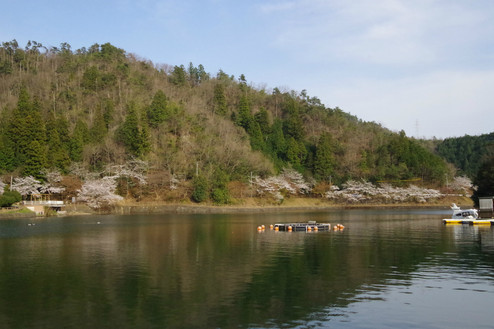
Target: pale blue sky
424, 66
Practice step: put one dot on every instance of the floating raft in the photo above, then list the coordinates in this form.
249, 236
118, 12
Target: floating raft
305, 227
469, 221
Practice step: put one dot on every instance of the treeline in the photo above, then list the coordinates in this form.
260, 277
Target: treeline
467, 153
101, 105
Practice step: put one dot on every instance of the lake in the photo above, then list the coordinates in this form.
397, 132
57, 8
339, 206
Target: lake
386, 269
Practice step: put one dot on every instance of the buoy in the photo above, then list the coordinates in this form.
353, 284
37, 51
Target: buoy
263, 227
289, 228
316, 229
271, 226
309, 229
276, 228
259, 228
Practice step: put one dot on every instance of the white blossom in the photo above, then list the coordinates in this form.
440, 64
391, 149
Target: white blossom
29, 185
353, 191
99, 192
290, 181
132, 169
463, 184
26, 185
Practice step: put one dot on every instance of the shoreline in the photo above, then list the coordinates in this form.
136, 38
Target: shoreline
249, 206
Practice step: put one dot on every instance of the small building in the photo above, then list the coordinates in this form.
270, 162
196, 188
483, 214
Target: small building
486, 207
38, 202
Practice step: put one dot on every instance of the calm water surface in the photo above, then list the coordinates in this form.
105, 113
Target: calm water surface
387, 269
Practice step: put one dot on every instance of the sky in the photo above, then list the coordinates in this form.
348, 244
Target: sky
422, 66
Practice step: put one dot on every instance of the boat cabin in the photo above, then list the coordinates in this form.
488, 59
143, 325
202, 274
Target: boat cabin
463, 213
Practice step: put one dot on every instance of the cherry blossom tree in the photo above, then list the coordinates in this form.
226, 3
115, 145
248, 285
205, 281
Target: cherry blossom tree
26, 185
99, 192
29, 185
289, 181
355, 192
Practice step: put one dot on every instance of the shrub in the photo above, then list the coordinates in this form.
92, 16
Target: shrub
220, 196
200, 192
8, 198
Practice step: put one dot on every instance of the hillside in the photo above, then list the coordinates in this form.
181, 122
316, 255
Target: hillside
191, 133
467, 153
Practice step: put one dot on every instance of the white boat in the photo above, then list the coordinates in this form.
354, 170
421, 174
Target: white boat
466, 216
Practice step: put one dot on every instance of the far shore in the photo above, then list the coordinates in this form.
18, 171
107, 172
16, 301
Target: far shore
254, 205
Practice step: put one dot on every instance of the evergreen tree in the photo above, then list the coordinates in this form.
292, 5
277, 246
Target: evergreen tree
80, 136
324, 160
276, 141
157, 111
7, 156
178, 76
26, 126
131, 135
262, 119
244, 116
58, 153
296, 153
219, 100
35, 160
293, 124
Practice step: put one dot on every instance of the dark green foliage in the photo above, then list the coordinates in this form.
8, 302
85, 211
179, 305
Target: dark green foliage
8, 198
58, 155
296, 153
244, 117
157, 111
219, 192
131, 134
80, 136
91, 80
262, 119
200, 189
220, 196
219, 100
35, 160
403, 158
178, 76
26, 125
467, 152
324, 159
293, 123
484, 180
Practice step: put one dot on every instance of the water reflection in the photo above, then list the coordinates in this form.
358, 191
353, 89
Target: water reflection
203, 271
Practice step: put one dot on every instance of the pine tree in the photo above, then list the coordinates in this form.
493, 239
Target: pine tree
219, 100
157, 111
80, 136
35, 160
324, 160
26, 126
244, 116
131, 135
98, 130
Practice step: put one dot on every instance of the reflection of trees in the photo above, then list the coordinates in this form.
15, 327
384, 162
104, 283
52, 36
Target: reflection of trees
196, 272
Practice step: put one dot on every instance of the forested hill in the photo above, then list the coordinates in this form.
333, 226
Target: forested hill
467, 153
101, 105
